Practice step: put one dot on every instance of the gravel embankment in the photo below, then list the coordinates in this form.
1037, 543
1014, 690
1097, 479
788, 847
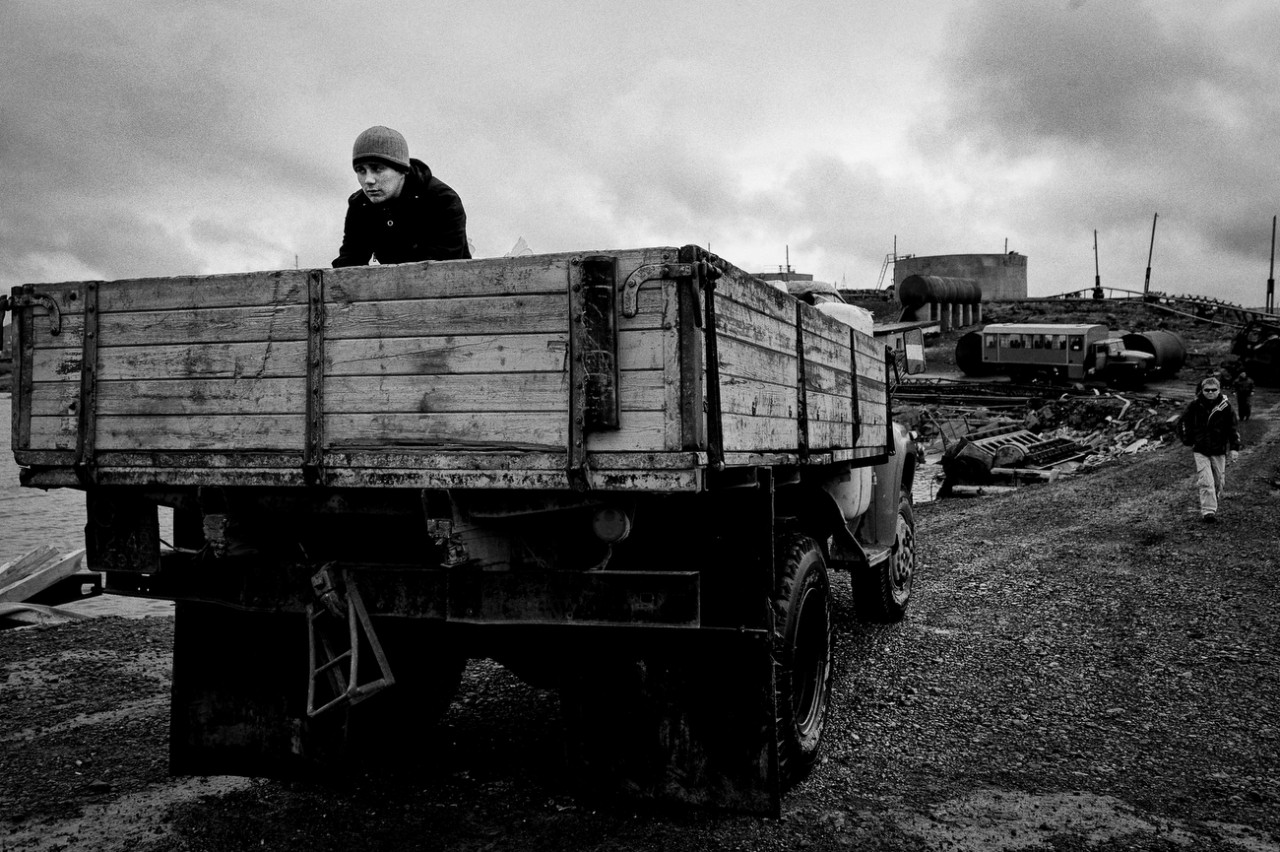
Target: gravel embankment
1085, 666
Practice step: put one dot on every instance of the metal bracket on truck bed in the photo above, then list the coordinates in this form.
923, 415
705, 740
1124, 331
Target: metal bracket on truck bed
340, 618
313, 448
87, 431
649, 272
593, 356
26, 297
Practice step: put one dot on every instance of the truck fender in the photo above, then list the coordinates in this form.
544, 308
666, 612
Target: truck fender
816, 512
892, 477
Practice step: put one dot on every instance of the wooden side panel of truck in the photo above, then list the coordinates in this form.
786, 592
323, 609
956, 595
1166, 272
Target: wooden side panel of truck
446, 374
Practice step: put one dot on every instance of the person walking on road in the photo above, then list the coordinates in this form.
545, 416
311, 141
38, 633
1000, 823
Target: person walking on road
1243, 387
1208, 427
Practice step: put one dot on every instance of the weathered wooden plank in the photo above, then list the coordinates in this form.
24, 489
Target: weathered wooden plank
230, 432
274, 323
642, 431
830, 423
531, 314
495, 393
834, 408
452, 354
525, 431
178, 397
735, 322
261, 360
190, 292
758, 398
756, 296
53, 433
481, 353
820, 325
501, 393
532, 431
260, 432
502, 276
744, 433
29, 562
833, 354
823, 379
751, 363
21, 588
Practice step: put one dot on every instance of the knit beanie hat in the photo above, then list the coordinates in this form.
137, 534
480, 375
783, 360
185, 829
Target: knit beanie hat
381, 143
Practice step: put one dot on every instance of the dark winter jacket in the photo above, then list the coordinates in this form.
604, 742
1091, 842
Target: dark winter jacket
1209, 426
425, 222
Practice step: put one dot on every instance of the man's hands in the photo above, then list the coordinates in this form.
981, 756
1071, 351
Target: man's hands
1235, 456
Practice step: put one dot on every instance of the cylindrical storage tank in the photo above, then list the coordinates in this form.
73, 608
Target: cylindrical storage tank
969, 355
1169, 351
916, 290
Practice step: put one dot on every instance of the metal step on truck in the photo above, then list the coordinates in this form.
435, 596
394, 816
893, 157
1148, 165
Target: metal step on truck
624, 475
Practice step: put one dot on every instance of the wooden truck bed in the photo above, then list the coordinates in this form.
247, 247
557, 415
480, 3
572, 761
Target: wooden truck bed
584, 370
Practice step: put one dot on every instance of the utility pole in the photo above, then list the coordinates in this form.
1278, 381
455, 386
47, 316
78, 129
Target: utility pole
1146, 285
1097, 276
1271, 280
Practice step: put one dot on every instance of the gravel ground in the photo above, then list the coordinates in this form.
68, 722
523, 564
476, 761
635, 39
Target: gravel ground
1085, 666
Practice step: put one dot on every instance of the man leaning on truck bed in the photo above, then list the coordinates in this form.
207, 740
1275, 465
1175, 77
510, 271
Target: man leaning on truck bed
401, 213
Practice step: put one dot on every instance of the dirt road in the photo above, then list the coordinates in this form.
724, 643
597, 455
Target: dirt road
1086, 666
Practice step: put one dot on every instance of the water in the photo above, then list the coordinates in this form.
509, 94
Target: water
31, 517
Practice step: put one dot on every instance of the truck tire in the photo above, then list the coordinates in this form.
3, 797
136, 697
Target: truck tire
882, 593
802, 639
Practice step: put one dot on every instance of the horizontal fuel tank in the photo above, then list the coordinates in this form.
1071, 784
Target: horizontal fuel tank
917, 290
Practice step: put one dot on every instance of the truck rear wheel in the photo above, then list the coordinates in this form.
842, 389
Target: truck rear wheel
802, 654
883, 592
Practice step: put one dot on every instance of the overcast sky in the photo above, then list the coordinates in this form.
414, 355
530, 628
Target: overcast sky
161, 137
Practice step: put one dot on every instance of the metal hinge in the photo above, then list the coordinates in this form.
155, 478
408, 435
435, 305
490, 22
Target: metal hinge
649, 272
26, 297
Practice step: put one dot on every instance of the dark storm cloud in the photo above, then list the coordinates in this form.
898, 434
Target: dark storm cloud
131, 135
1130, 108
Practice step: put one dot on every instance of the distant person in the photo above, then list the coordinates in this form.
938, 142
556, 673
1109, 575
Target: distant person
401, 213
1243, 386
1208, 427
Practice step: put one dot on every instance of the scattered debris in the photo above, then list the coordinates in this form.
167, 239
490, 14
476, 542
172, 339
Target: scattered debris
992, 438
44, 576
23, 614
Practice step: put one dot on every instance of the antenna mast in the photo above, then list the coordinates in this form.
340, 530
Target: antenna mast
1097, 276
1146, 285
1271, 281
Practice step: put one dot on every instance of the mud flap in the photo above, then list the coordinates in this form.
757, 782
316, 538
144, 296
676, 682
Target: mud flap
239, 696
692, 726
